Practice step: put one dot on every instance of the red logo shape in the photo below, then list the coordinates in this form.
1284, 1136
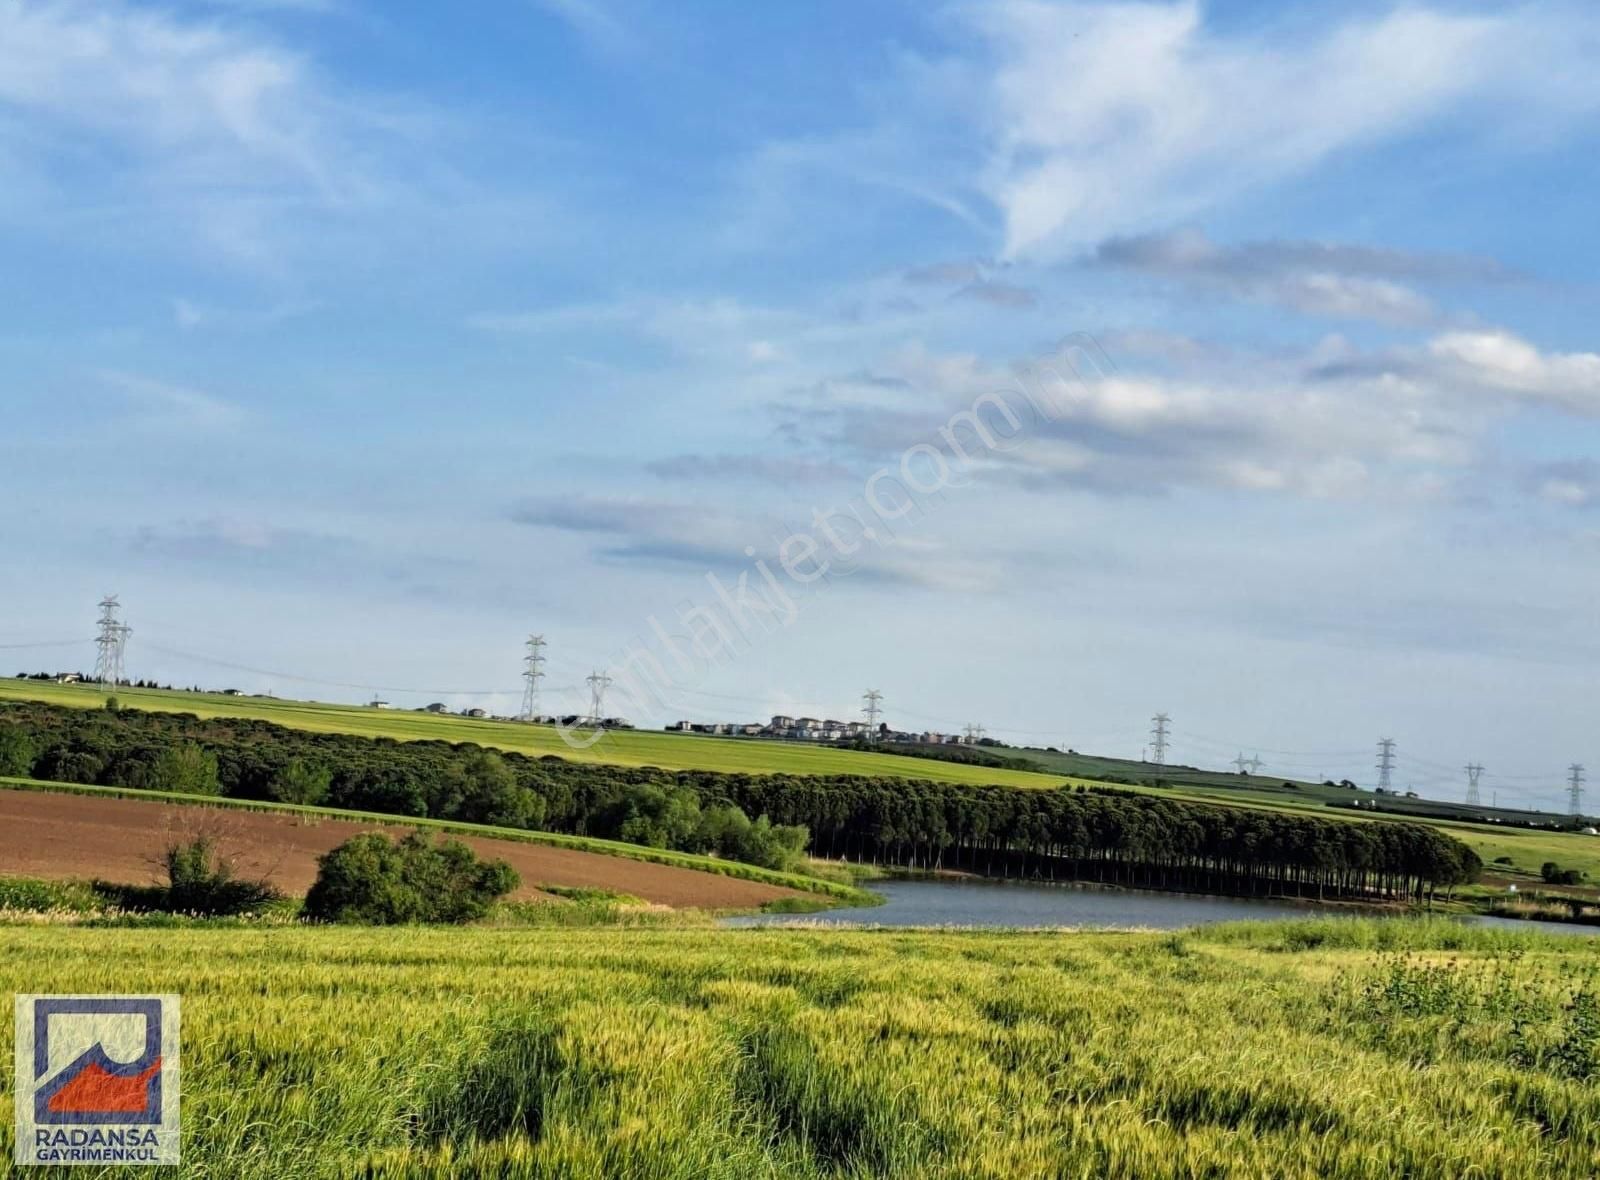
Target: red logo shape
94, 1091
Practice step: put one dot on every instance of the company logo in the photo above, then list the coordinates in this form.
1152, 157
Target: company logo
97, 1080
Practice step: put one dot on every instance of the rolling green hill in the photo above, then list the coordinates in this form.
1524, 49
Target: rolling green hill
669, 751
1528, 849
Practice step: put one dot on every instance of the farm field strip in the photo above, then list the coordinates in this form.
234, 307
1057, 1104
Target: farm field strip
290, 813
617, 748
55, 836
1289, 1052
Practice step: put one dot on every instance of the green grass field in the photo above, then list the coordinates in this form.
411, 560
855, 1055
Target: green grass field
618, 748
1286, 1051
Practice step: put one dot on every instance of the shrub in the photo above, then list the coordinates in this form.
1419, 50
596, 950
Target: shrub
1554, 874
201, 882
374, 880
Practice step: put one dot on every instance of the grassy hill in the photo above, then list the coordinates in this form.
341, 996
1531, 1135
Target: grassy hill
1528, 849
670, 751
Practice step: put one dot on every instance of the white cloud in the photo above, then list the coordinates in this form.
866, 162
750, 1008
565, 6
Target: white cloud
1106, 117
1497, 360
208, 130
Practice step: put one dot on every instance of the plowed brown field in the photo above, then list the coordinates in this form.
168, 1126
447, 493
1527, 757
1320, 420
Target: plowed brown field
60, 836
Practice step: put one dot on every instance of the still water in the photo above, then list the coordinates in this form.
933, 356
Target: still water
950, 903
947, 903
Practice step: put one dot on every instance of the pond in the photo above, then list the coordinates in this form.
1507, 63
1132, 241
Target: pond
964, 903
987, 903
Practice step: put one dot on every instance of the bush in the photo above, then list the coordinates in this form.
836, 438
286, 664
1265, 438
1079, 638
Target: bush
1554, 874
201, 882
374, 880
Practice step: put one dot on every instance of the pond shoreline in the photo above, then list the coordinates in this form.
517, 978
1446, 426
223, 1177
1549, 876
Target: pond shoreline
940, 900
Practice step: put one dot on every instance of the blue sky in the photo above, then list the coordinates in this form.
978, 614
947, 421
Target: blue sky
350, 343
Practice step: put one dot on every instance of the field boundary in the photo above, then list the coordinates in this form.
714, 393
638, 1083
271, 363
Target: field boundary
635, 852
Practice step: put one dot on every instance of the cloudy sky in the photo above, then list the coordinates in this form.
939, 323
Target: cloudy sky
351, 342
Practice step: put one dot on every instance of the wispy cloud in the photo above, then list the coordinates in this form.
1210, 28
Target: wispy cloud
208, 122
165, 402
1112, 116
595, 22
1314, 278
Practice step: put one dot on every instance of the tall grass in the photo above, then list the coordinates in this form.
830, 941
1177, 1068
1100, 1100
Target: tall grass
782, 1053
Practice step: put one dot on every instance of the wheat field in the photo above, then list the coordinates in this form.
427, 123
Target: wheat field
1315, 1049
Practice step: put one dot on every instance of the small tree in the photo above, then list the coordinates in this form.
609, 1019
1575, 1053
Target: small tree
490, 794
374, 880
301, 782
17, 752
187, 768
199, 881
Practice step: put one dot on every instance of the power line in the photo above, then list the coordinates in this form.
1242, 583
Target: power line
112, 643
232, 667
1474, 773
36, 646
598, 682
1158, 734
533, 672
1575, 788
1385, 763
873, 709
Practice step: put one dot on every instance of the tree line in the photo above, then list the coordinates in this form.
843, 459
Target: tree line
1082, 833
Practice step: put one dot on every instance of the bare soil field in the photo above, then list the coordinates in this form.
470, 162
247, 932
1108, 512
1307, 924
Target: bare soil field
63, 836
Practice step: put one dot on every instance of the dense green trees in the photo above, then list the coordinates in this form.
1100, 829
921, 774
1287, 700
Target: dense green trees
1098, 833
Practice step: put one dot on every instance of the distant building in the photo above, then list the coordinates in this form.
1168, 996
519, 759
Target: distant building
69, 678
377, 704
477, 713
436, 707
232, 692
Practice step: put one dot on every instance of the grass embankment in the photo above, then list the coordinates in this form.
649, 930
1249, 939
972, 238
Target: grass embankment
1285, 1051
685, 860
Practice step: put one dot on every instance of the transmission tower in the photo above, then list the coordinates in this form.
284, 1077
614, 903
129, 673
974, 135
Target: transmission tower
873, 709
1474, 772
1158, 735
974, 731
1247, 765
598, 683
111, 644
1575, 789
533, 671
1385, 763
